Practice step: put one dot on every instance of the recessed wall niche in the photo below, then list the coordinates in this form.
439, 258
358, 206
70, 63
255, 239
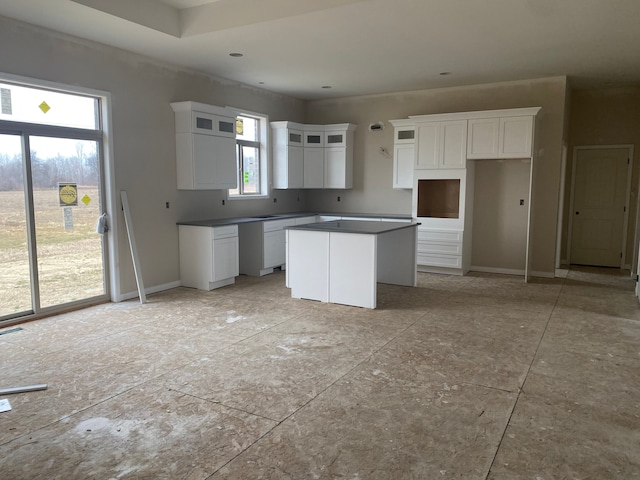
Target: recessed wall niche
439, 198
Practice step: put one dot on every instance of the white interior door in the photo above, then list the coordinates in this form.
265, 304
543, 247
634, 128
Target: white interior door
599, 206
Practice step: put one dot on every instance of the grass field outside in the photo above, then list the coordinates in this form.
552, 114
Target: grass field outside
69, 261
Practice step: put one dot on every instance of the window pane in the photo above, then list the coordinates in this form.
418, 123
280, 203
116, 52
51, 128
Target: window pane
251, 170
33, 105
66, 196
249, 129
15, 279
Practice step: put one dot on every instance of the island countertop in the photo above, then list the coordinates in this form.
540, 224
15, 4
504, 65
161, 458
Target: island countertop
354, 226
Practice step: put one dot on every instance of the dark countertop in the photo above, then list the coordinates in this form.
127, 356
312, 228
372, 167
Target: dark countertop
217, 222
354, 226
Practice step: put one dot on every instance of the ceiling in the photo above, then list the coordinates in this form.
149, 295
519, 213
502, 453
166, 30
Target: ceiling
356, 47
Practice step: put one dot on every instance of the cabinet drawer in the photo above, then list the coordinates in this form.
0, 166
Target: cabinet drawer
209, 124
225, 232
440, 248
434, 260
449, 236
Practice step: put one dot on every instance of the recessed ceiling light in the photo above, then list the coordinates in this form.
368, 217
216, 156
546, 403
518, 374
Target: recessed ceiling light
445, 73
326, 86
236, 55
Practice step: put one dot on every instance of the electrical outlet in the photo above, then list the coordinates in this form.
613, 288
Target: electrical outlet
338, 198
522, 201
275, 200
166, 204
223, 203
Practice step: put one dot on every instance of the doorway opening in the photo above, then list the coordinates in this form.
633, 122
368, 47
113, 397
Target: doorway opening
52, 192
600, 201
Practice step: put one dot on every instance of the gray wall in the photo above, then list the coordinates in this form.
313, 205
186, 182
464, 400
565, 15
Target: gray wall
143, 135
607, 116
372, 190
142, 89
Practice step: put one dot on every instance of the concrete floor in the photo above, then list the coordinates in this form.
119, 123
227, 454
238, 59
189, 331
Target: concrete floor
476, 377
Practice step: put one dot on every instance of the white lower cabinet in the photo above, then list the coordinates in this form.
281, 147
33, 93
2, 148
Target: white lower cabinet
262, 246
440, 250
209, 256
273, 249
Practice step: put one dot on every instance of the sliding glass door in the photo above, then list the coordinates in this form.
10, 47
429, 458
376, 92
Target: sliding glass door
51, 197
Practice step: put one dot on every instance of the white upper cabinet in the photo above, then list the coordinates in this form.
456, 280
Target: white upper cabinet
441, 144
205, 147
288, 169
338, 156
313, 167
482, 139
404, 139
312, 156
516, 135
314, 138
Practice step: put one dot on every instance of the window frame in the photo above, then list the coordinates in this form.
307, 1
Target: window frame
264, 146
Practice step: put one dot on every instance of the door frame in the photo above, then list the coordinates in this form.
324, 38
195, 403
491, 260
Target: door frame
111, 251
625, 225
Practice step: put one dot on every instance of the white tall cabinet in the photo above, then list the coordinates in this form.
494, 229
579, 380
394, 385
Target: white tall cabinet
445, 148
205, 147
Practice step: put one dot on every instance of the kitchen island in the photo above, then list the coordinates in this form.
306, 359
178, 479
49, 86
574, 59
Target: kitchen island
342, 261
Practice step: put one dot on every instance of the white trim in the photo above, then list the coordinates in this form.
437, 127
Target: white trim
509, 112
543, 274
150, 290
562, 272
625, 227
502, 271
563, 176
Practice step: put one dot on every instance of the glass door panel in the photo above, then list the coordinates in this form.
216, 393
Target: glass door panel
66, 199
15, 277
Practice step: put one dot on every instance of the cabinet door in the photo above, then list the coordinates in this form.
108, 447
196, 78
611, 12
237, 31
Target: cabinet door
335, 139
294, 137
225, 258
314, 139
273, 253
453, 144
428, 146
403, 156
287, 167
313, 167
516, 134
404, 135
335, 167
482, 138
214, 162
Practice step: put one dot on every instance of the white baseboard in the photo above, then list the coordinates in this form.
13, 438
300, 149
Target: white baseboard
149, 290
502, 271
562, 272
543, 274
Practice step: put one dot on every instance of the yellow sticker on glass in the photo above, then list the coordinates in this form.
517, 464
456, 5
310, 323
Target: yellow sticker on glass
44, 106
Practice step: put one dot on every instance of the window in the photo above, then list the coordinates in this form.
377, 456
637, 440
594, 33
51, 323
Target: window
251, 156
